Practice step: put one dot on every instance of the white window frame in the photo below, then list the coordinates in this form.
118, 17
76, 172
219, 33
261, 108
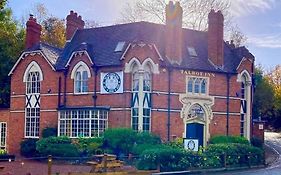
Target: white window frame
207, 80
80, 67
62, 129
33, 69
4, 147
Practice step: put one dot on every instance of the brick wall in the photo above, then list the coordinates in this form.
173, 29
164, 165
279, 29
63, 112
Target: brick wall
120, 114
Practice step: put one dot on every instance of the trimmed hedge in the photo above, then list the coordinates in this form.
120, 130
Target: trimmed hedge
57, 146
125, 140
28, 147
228, 139
213, 156
49, 132
236, 154
257, 142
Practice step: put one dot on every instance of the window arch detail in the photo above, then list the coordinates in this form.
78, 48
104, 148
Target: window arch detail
32, 67
81, 74
32, 77
141, 92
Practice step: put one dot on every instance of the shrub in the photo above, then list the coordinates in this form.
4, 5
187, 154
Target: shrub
257, 142
57, 146
139, 148
49, 132
169, 159
3, 152
88, 146
236, 154
120, 140
147, 138
177, 143
28, 147
228, 139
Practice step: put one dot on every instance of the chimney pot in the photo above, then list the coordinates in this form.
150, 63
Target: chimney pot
33, 32
215, 38
174, 41
73, 23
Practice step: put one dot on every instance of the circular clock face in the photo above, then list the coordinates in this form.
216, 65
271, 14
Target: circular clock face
111, 82
191, 145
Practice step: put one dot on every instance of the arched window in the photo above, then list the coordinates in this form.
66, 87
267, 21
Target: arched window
146, 81
81, 74
135, 81
197, 110
245, 99
203, 86
33, 83
141, 94
32, 77
190, 85
197, 86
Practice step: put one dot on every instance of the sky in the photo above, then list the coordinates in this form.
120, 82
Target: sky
259, 20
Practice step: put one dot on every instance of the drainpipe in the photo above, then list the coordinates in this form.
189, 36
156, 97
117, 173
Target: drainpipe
169, 104
64, 92
253, 84
59, 93
95, 86
228, 76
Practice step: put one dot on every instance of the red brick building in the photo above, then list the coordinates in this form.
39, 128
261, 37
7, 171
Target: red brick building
165, 79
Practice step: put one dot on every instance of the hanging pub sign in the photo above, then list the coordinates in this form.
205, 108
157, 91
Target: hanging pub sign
111, 82
191, 144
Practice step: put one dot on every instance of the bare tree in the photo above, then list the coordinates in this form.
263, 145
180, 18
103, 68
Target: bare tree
195, 12
195, 15
236, 36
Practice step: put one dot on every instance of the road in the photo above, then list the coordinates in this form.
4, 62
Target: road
274, 141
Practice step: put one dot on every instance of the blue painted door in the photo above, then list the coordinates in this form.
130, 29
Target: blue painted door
195, 131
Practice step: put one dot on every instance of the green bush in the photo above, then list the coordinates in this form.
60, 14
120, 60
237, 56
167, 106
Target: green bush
139, 148
177, 143
57, 146
170, 158
3, 152
88, 146
228, 139
120, 140
28, 147
147, 138
167, 158
257, 142
236, 154
49, 132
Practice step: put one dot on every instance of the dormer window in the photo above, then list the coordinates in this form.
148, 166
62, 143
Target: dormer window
81, 74
192, 51
120, 46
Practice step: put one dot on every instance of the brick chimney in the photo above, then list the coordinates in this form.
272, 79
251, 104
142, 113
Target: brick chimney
33, 32
73, 23
215, 38
173, 44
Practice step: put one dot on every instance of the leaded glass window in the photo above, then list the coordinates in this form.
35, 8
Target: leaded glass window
82, 123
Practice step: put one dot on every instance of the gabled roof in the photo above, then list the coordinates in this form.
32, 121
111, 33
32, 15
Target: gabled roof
100, 44
49, 53
52, 53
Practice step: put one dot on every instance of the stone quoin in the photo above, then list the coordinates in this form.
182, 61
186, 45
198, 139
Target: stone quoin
164, 79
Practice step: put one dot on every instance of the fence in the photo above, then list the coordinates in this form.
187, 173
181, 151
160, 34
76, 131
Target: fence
52, 165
